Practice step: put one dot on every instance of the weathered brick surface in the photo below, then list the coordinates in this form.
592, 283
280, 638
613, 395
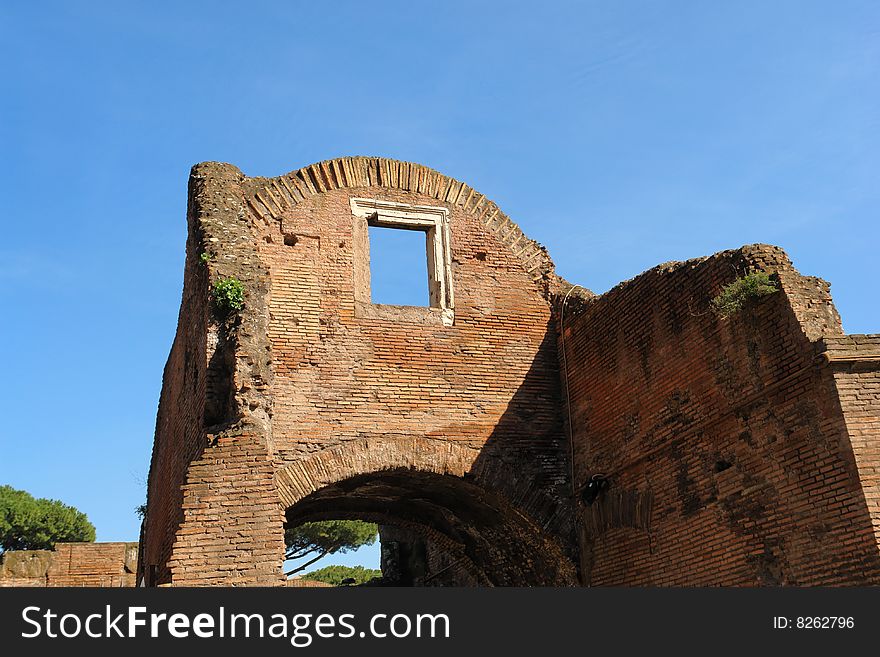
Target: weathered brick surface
855, 362
737, 453
726, 448
213, 388
325, 395
71, 564
231, 531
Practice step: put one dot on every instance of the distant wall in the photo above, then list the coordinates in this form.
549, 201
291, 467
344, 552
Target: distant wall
727, 449
71, 564
300, 583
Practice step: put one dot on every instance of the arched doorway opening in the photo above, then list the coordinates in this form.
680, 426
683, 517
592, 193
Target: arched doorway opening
441, 529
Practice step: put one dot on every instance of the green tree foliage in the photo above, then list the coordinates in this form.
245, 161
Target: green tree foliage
27, 523
337, 574
327, 537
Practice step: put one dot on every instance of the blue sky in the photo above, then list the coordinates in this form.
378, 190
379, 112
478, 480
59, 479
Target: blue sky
618, 134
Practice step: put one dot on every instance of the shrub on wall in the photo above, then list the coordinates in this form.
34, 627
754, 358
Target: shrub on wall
736, 295
228, 295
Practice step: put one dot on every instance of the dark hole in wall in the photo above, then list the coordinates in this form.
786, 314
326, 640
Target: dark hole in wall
722, 465
218, 384
290, 239
403, 562
448, 531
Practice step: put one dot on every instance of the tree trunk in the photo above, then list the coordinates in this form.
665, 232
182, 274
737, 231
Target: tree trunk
308, 563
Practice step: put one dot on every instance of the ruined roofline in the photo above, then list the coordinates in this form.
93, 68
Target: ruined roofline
269, 197
813, 304
577, 298
744, 254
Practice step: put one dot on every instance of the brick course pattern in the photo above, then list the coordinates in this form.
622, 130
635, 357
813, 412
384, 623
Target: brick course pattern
71, 564
736, 452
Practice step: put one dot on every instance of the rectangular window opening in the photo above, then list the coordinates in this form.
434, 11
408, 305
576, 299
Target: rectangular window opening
399, 273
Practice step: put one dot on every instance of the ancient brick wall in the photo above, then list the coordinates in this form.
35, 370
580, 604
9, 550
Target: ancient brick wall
346, 372
71, 564
180, 424
300, 583
855, 362
314, 386
210, 476
490, 381
736, 451
724, 442
231, 532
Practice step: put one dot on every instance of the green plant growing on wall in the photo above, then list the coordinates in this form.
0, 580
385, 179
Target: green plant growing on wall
736, 295
205, 257
228, 295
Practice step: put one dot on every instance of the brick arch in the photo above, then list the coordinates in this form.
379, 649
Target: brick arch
359, 457
338, 481
267, 198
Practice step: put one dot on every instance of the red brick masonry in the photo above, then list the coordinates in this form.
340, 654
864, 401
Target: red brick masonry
738, 451
71, 564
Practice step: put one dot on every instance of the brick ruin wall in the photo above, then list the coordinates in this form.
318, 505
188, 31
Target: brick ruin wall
71, 564
731, 457
305, 391
490, 382
210, 473
854, 361
737, 452
180, 433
